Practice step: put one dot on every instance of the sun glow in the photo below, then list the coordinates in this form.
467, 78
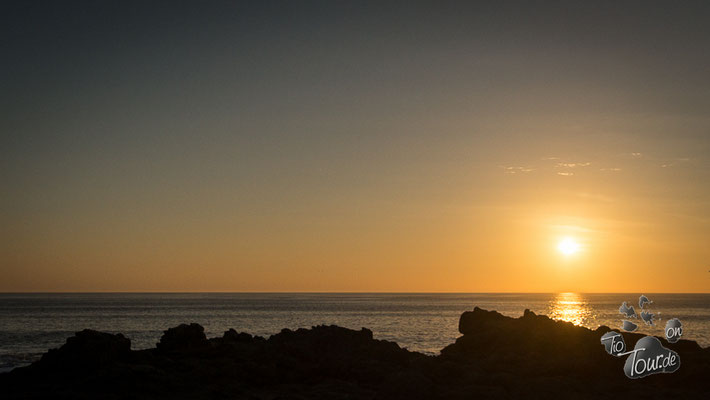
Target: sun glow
570, 307
568, 246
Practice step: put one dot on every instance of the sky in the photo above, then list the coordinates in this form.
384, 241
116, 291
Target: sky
355, 146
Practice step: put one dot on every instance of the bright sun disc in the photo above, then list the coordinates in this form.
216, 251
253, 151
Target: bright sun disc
568, 246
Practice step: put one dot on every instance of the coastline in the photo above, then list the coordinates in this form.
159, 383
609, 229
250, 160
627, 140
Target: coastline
496, 357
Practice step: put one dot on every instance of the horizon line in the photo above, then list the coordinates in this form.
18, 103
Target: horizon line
324, 292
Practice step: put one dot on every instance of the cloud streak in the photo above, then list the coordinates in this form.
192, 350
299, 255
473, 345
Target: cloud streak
517, 169
573, 165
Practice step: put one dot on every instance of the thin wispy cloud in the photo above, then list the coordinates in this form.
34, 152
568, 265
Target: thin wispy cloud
563, 166
663, 162
675, 161
517, 169
573, 165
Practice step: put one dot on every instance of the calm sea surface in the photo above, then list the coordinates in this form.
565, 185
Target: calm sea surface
32, 323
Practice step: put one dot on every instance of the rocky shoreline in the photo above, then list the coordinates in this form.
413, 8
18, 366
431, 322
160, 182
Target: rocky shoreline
496, 357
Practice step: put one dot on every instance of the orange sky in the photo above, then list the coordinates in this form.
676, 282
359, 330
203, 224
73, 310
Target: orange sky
370, 149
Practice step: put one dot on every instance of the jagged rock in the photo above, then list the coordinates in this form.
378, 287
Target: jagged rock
183, 337
497, 357
472, 320
89, 349
233, 336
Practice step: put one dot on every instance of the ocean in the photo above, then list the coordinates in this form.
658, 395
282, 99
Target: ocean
425, 322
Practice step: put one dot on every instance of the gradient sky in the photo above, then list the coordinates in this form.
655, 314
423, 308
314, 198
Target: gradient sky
355, 146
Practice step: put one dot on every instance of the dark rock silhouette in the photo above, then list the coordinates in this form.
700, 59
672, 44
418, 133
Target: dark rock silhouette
497, 357
88, 349
183, 337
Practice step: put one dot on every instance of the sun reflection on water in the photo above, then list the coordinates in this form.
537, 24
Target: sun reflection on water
570, 307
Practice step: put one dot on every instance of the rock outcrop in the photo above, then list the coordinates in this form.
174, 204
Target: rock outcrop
88, 349
497, 357
183, 337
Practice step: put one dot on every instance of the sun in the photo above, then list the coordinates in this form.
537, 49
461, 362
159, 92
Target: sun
568, 246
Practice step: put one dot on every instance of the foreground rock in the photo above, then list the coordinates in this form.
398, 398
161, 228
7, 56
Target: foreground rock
497, 357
